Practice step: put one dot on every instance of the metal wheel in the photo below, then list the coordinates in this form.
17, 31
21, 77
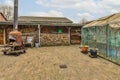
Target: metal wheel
24, 51
17, 54
5, 53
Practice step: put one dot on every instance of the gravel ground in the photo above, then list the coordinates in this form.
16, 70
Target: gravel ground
44, 64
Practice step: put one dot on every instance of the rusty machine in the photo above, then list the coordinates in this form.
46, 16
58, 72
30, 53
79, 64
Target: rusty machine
15, 44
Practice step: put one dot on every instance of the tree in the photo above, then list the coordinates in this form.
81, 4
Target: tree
83, 21
7, 10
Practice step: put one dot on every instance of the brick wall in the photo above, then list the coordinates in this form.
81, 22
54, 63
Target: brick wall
54, 39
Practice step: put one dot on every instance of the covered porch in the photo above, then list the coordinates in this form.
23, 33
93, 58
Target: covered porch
45, 33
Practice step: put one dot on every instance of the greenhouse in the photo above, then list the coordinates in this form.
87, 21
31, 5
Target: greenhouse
104, 34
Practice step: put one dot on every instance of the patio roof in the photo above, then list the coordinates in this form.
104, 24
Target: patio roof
42, 24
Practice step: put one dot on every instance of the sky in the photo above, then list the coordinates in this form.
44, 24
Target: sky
75, 10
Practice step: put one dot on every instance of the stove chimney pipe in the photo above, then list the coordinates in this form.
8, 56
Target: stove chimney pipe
15, 26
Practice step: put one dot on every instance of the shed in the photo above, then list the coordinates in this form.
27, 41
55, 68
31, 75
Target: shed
2, 30
47, 30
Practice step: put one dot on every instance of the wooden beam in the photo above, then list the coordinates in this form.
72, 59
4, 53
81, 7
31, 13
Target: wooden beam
69, 34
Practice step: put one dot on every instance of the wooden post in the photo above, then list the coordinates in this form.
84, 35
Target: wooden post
69, 34
82, 38
4, 36
39, 33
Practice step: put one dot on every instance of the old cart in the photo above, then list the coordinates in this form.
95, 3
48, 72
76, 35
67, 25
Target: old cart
15, 44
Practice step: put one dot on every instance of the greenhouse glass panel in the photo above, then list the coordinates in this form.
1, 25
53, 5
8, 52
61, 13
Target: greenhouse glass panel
104, 37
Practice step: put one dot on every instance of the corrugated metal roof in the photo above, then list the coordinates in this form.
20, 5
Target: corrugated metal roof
112, 19
115, 25
44, 19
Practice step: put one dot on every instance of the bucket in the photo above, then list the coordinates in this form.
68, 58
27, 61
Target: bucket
84, 49
93, 53
36, 44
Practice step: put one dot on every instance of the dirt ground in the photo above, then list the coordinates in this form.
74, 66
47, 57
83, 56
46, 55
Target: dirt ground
43, 64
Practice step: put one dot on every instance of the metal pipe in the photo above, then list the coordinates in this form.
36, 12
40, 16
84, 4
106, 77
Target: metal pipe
15, 26
107, 40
